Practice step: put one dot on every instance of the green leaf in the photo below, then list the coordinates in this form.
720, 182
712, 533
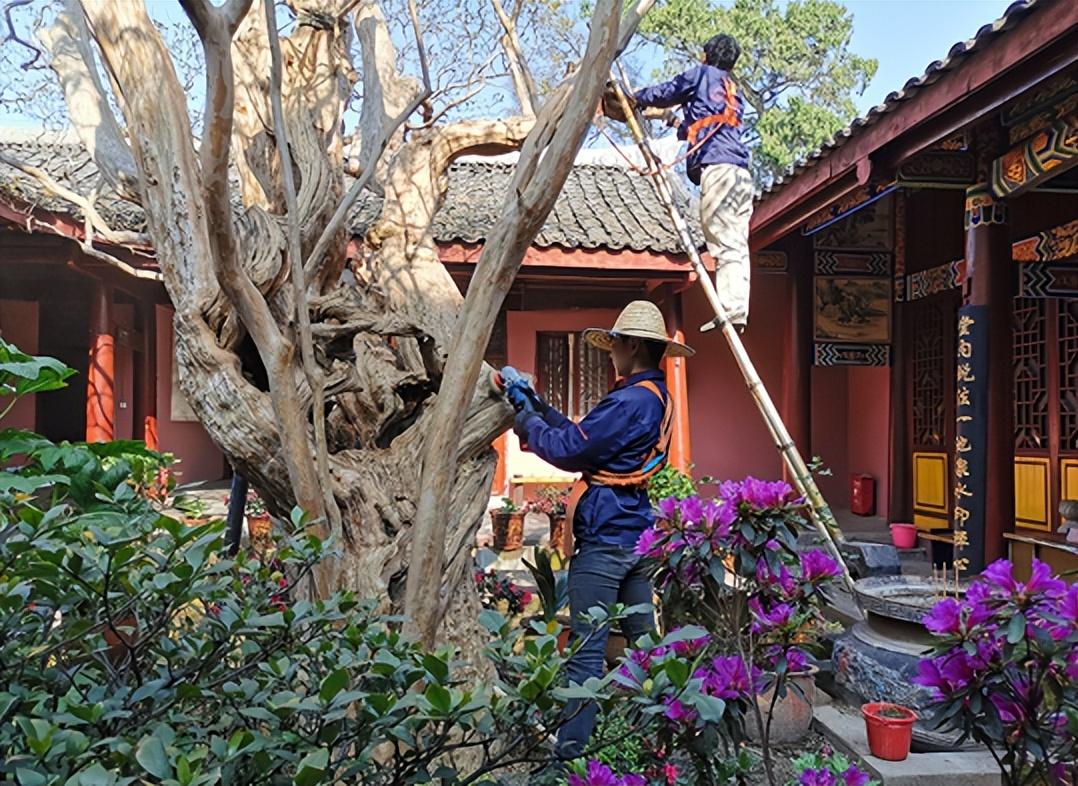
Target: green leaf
312, 768
1016, 629
439, 698
678, 671
333, 684
28, 777
151, 755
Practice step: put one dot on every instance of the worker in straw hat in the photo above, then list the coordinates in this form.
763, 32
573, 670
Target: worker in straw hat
617, 448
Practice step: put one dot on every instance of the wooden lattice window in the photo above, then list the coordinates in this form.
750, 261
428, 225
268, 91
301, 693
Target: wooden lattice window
1030, 374
929, 380
1068, 375
571, 375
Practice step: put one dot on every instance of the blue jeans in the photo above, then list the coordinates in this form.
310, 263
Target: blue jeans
600, 574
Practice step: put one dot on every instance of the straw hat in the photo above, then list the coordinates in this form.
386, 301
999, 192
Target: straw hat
639, 319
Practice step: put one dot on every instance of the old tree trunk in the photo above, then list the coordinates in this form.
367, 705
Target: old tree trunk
231, 234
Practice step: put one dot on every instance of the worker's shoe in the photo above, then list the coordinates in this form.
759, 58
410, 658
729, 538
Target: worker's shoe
739, 325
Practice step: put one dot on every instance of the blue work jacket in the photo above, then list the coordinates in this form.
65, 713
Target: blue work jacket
617, 436
701, 91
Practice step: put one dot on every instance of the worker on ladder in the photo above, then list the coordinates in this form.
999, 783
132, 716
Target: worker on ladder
717, 161
621, 444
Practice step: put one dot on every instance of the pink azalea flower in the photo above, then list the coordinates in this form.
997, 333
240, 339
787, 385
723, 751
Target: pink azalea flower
670, 774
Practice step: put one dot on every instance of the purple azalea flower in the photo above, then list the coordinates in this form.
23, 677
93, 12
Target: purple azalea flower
784, 580
598, 775
1010, 711
945, 674
1072, 666
945, 618
764, 494
649, 543
678, 712
726, 677
730, 493
817, 565
855, 776
796, 660
668, 508
633, 779
1068, 606
689, 648
718, 517
820, 777
999, 576
692, 510
778, 616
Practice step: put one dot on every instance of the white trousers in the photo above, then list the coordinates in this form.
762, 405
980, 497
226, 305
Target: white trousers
725, 211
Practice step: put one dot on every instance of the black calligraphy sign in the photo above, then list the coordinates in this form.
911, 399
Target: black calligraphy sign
971, 432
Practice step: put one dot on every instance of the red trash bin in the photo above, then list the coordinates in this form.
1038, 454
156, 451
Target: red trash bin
862, 495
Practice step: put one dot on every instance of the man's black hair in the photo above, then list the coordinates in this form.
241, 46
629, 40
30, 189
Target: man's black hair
722, 51
654, 351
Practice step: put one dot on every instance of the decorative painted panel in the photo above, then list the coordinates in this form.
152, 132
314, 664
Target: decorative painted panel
1048, 281
1030, 375
852, 263
1046, 154
935, 280
938, 169
1050, 245
853, 310
769, 261
827, 354
929, 384
931, 489
861, 222
1031, 492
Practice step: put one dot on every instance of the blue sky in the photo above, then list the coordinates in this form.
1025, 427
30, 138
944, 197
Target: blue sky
907, 35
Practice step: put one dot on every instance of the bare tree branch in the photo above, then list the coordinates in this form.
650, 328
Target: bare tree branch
315, 377
68, 42
84, 204
545, 162
523, 83
275, 349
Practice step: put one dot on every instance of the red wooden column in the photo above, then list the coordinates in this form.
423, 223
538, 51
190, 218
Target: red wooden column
148, 388
678, 384
797, 371
101, 373
984, 446
900, 494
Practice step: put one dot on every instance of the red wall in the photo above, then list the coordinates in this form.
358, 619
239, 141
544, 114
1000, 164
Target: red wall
729, 437
830, 431
869, 405
18, 326
521, 327
188, 441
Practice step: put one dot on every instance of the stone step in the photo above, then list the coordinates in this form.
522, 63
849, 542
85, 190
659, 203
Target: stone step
846, 733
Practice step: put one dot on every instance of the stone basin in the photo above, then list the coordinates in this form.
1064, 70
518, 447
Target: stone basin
876, 659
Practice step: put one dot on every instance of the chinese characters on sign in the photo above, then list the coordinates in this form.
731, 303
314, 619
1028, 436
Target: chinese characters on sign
970, 434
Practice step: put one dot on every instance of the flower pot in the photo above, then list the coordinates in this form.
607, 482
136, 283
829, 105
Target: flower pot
890, 730
120, 637
561, 535
904, 536
508, 530
791, 717
258, 529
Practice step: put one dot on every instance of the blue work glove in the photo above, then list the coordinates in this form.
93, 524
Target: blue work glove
520, 393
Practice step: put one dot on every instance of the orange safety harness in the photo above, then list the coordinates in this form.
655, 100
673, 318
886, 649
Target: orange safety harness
727, 117
651, 466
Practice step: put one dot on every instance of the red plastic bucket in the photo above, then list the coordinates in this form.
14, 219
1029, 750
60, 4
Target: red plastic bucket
904, 536
890, 730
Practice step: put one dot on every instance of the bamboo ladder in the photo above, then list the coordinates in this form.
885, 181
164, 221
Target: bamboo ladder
822, 516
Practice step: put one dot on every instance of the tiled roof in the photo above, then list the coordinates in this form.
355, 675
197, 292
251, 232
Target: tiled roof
601, 206
957, 54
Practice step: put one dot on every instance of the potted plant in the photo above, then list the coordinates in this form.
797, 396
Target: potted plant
553, 591
552, 503
499, 593
192, 510
508, 524
890, 730
258, 519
